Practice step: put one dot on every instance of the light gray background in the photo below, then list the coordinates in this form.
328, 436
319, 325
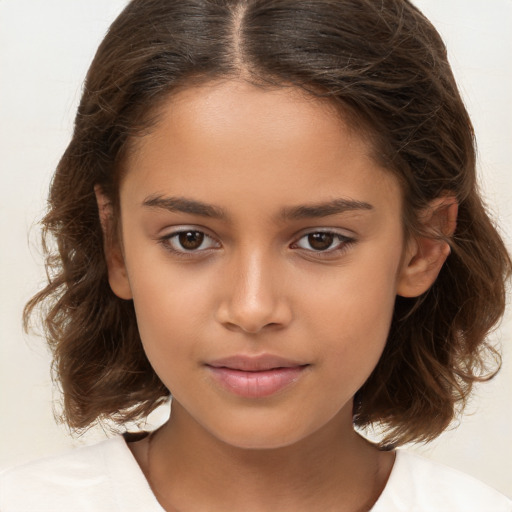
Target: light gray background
45, 50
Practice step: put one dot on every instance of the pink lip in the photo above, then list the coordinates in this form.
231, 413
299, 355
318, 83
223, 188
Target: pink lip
255, 376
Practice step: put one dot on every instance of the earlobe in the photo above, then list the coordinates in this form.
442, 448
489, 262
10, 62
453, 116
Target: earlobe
117, 274
426, 254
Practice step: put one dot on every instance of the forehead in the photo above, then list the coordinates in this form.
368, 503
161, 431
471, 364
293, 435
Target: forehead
238, 142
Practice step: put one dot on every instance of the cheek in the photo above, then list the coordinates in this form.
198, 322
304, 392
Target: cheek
173, 307
166, 307
361, 292
175, 310
354, 311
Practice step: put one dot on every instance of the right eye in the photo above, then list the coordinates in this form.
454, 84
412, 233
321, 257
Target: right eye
188, 241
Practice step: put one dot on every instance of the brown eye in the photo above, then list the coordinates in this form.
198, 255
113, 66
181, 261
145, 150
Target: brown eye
324, 242
320, 241
191, 240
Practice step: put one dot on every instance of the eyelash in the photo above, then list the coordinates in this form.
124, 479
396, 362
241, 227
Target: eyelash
344, 243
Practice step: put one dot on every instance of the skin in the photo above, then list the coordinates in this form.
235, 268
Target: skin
256, 286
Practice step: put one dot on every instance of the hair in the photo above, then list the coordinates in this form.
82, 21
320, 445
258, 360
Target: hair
385, 68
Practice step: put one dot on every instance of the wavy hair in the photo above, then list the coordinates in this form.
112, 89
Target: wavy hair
385, 66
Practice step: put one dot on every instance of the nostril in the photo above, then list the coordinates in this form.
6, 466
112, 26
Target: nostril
252, 314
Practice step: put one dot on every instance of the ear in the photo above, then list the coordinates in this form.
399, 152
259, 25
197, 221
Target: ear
117, 274
425, 255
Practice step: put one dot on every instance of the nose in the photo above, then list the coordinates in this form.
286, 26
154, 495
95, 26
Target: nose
253, 295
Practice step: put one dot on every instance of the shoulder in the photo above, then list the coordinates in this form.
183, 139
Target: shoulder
417, 484
91, 478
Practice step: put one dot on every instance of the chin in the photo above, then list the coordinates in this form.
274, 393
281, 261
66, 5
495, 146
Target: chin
262, 435
260, 441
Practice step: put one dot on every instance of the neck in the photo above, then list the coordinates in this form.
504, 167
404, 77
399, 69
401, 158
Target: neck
334, 469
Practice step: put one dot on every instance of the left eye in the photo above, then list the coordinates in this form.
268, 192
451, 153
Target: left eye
322, 241
189, 240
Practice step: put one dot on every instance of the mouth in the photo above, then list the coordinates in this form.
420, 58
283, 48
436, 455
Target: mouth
256, 377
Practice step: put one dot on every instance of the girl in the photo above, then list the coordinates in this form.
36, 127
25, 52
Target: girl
268, 211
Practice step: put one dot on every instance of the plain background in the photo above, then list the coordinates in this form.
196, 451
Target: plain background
45, 50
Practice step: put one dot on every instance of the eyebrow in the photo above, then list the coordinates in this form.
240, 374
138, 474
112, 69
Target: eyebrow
333, 207
182, 204
305, 211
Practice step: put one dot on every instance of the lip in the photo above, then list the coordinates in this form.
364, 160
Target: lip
257, 363
255, 376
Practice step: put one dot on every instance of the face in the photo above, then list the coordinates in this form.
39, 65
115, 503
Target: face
263, 249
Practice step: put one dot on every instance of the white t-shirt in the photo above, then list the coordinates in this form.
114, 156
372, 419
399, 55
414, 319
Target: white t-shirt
105, 477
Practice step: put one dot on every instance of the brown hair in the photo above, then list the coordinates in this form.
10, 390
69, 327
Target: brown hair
385, 66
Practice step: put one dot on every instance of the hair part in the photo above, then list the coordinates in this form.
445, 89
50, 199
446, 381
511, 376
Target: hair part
384, 66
